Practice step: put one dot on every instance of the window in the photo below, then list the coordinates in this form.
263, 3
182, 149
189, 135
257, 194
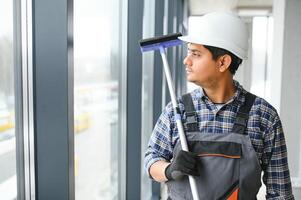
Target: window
97, 61
8, 180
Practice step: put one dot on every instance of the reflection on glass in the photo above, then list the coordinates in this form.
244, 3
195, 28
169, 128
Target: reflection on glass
8, 182
95, 100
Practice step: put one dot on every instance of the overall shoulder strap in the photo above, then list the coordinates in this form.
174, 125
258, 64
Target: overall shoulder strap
242, 116
191, 115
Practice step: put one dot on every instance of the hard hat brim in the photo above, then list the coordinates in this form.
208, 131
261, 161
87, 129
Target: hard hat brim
215, 43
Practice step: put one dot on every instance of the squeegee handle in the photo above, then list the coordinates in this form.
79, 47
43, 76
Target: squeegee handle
177, 117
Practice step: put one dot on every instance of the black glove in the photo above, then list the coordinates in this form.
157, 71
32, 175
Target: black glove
185, 163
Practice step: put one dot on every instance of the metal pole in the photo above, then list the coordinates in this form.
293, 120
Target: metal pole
178, 118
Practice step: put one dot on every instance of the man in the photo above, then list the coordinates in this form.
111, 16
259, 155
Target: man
232, 135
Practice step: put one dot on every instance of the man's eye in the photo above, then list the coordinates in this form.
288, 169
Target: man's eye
196, 54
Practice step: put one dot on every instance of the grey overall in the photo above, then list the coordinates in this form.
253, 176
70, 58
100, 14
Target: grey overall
228, 164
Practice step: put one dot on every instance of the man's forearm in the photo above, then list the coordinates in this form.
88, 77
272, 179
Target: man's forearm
157, 171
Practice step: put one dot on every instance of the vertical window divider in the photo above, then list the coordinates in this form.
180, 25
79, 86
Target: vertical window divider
25, 143
122, 169
24, 99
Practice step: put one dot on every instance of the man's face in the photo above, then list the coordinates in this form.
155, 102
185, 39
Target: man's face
201, 69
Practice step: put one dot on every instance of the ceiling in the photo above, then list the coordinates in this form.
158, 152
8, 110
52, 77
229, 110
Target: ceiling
200, 7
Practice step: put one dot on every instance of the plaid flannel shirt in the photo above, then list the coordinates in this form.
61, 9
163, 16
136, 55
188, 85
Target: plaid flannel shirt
264, 129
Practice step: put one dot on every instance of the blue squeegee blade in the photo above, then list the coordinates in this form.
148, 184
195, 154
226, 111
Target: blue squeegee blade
157, 46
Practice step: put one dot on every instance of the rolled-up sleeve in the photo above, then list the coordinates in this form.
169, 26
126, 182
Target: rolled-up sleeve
275, 164
159, 146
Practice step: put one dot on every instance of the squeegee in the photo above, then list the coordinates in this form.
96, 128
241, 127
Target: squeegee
161, 43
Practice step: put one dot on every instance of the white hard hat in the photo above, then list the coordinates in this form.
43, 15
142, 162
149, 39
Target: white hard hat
221, 29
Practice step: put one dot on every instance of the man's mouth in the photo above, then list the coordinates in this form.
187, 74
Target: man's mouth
188, 71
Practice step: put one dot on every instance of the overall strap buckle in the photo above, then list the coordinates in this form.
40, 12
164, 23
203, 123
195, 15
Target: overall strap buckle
191, 115
191, 121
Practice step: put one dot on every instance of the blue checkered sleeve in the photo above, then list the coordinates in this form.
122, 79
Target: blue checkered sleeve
275, 164
159, 146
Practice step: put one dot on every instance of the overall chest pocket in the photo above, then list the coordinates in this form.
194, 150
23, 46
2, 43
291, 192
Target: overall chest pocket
219, 166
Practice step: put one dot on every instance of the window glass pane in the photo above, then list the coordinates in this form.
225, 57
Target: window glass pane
147, 94
96, 63
8, 183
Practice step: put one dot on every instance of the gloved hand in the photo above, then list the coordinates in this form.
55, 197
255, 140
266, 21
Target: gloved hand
185, 163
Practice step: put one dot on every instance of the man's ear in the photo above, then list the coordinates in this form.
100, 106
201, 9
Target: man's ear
224, 62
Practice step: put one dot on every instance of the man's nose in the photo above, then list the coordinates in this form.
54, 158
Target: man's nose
187, 61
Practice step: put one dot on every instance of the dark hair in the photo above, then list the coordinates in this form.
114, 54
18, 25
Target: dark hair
217, 52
